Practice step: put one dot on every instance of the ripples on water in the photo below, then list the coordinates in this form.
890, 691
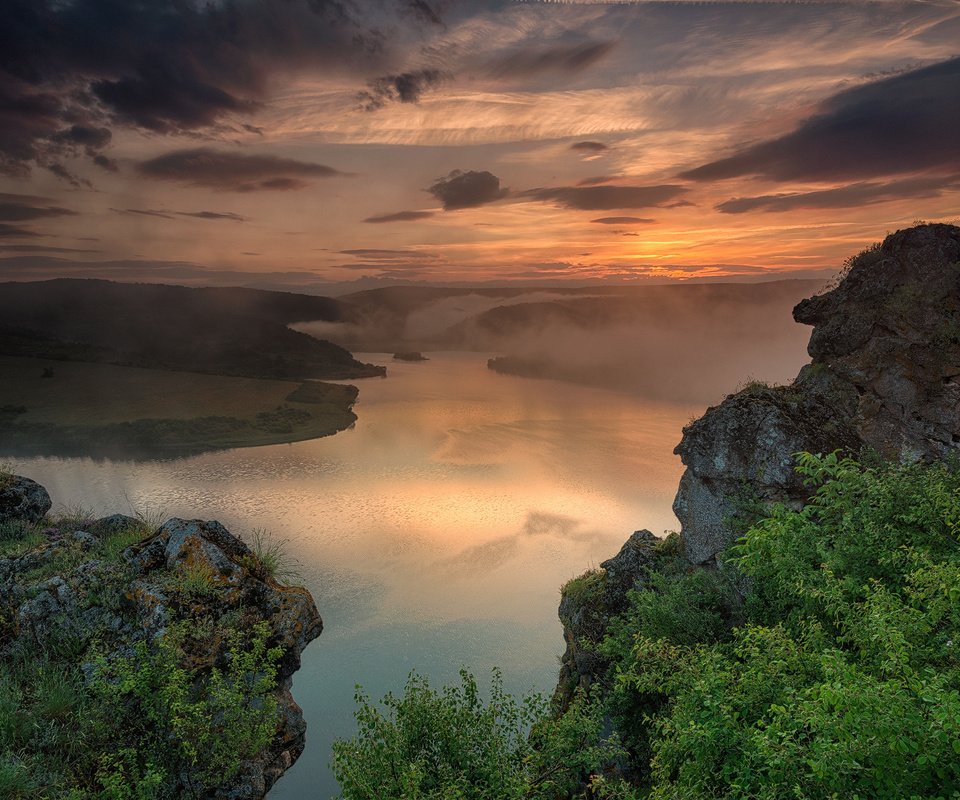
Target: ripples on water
434, 534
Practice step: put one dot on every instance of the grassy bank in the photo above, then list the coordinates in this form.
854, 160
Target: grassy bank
74, 408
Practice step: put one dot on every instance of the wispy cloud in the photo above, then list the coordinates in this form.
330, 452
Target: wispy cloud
400, 216
853, 195
603, 198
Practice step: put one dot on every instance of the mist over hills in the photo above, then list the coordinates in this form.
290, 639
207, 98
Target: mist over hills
671, 342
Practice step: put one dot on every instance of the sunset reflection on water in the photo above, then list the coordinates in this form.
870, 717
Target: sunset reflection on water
434, 534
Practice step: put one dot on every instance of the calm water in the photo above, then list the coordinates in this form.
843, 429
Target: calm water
434, 534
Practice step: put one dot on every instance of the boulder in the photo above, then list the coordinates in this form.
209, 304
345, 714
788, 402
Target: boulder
187, 570
22, 500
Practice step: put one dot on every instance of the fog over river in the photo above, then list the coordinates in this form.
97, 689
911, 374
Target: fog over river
435, 534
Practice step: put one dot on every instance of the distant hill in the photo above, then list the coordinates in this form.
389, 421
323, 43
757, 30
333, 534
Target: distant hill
227, 331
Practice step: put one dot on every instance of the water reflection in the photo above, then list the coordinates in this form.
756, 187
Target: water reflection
435, 533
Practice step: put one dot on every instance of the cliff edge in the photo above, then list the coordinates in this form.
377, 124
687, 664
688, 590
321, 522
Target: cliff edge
157, 659
884, 380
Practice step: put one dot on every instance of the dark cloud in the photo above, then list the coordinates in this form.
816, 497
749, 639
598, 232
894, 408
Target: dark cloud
589, 147
82, 139
72, 70
214, 215
400, 216
275, 184
166, 101
106, 163
565, 58
26, 208
854, 195
596, 180
407, 87
41, 248
623, 220
604, 198
423, 11
66, 175
22, 208
14, 231
146, 212
162, 214
906, 123
233, 172
467, 189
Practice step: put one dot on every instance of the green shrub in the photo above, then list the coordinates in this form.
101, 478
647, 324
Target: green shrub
838, 677
843, 680
185, 723
586, 587
451, 745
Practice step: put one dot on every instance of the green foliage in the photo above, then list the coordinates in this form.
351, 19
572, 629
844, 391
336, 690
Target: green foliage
451, 745
202, 727
195, 579
584, 588
841, 678
272, 557
135, 726
110, 546
17, 537
7, 473
15, 779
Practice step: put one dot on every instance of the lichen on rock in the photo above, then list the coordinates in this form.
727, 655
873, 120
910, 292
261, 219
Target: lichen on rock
22, 500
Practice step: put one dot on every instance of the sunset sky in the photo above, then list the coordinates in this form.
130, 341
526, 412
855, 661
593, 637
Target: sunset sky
315, 141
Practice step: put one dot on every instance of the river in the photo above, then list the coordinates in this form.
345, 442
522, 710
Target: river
434, 534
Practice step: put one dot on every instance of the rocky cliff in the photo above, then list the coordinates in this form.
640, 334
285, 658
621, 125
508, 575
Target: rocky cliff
884, 380
117, 591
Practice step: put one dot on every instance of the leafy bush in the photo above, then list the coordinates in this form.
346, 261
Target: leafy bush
135, 727
185, 727
843, 680
451, 745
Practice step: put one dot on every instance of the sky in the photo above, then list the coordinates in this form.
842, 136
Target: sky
301, 142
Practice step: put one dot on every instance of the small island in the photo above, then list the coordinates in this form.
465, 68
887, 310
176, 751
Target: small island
410, 355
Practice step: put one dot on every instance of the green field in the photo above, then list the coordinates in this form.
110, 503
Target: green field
76, 408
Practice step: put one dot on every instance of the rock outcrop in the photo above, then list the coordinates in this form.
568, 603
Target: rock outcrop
22, 500
884, 378
588, 603
111, 583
